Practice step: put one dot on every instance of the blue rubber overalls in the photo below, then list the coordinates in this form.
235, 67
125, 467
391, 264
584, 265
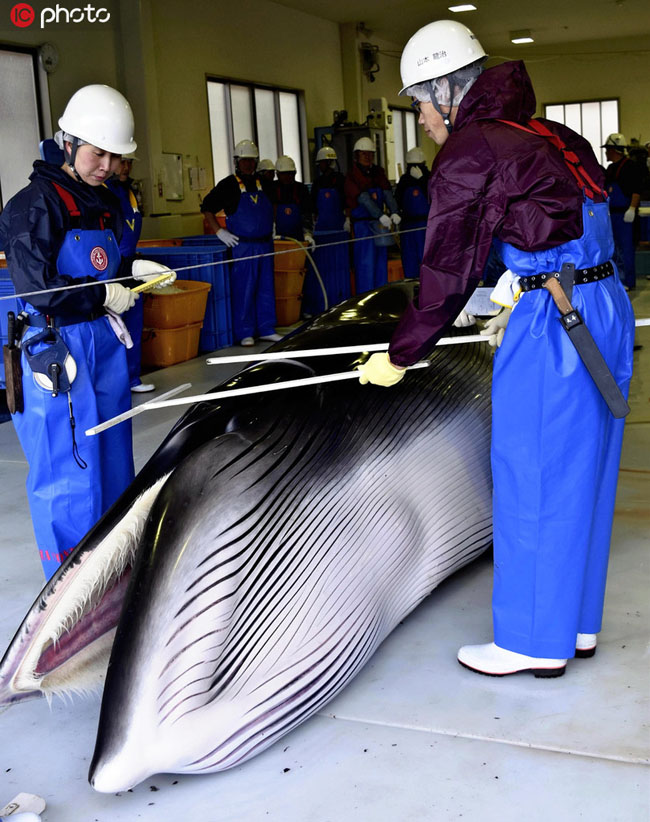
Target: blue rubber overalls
134, 317
623, 232
252, 288
288, 221
66, 500
556, 451
333, 261
370, 259
415, 209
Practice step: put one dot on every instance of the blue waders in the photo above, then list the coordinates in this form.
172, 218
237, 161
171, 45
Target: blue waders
288, 221
556, 451
415, 209
623, 232
333, 262
252, 288
370, 259
66, 500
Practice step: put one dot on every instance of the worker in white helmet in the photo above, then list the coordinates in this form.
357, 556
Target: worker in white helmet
536, 189
413, 201
64, 229
369, 200
291, 203
246, 201
331, 231
266, 170
623, 181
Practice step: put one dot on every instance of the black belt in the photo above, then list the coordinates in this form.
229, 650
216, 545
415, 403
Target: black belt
580, 277
41, 321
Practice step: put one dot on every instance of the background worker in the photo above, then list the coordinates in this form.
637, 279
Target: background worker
413, 201
64, 229
266, 170
623, 181
122, 185
367, 193
555, 444
331, 231
249, 235
291, 203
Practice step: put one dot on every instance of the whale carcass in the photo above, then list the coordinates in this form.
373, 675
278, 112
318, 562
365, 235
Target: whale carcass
264, 552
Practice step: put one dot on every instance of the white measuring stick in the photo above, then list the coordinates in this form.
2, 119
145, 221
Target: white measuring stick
253, 389
328, 352
135, 411
645, 321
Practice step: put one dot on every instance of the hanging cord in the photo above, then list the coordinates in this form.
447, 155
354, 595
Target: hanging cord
75, 448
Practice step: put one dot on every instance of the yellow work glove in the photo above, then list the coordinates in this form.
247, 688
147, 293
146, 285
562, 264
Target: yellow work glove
379, 370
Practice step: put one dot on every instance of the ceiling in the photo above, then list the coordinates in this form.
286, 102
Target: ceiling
552, 22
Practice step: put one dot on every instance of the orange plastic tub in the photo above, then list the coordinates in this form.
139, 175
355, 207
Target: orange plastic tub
168, 346
287, 310
171, 310
285, 262
289, 283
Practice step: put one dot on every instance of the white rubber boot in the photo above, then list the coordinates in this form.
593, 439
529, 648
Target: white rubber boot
271, 337
586, 645
494, 661
247, 341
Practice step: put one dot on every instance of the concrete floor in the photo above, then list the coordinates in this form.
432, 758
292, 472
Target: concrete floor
415, 736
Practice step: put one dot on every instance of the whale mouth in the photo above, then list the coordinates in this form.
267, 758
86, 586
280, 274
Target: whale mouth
64, 645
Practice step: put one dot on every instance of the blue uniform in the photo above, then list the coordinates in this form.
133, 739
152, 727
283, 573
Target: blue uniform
49, 245
134, 317
412, 197
252, 287
370, 259
551, 544
620, 178
333, 261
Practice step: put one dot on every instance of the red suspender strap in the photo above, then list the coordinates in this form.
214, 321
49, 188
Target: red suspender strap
68, 199
71, 205
571, 159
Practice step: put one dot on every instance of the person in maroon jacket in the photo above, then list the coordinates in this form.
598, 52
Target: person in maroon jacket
535, 187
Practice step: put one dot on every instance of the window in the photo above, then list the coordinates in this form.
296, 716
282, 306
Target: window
20, 128
270, 117
405, 135
594, 120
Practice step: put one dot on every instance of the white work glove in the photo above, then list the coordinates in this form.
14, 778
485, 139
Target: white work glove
464, 319
146, 270
496, 327
386, 221
307, 238
396, 219
629, 215
346, 225
118, 298
379, 370
227, 237
415, 172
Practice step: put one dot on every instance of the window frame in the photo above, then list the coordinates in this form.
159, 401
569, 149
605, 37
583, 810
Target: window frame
403, 110
600, 153
252, 86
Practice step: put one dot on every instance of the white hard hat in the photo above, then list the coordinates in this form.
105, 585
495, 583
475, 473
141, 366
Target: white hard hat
415, 155
101, 116
265, 165
438, 49
616, 140
246, 148
364, 144
285, 163
326, 153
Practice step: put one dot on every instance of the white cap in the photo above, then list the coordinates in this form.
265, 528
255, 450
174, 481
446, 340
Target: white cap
246, 148
364, 144
415, 155
284, 163
326, 153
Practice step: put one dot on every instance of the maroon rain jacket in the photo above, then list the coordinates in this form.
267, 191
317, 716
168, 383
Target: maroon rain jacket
490, 179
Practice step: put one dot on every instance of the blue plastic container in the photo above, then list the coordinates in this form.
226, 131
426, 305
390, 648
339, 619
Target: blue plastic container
217, 324
6, 288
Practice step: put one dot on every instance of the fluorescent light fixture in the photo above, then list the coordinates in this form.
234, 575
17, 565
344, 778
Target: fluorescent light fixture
522, 36
465, 7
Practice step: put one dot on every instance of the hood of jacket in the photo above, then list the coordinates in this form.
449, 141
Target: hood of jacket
504, 92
